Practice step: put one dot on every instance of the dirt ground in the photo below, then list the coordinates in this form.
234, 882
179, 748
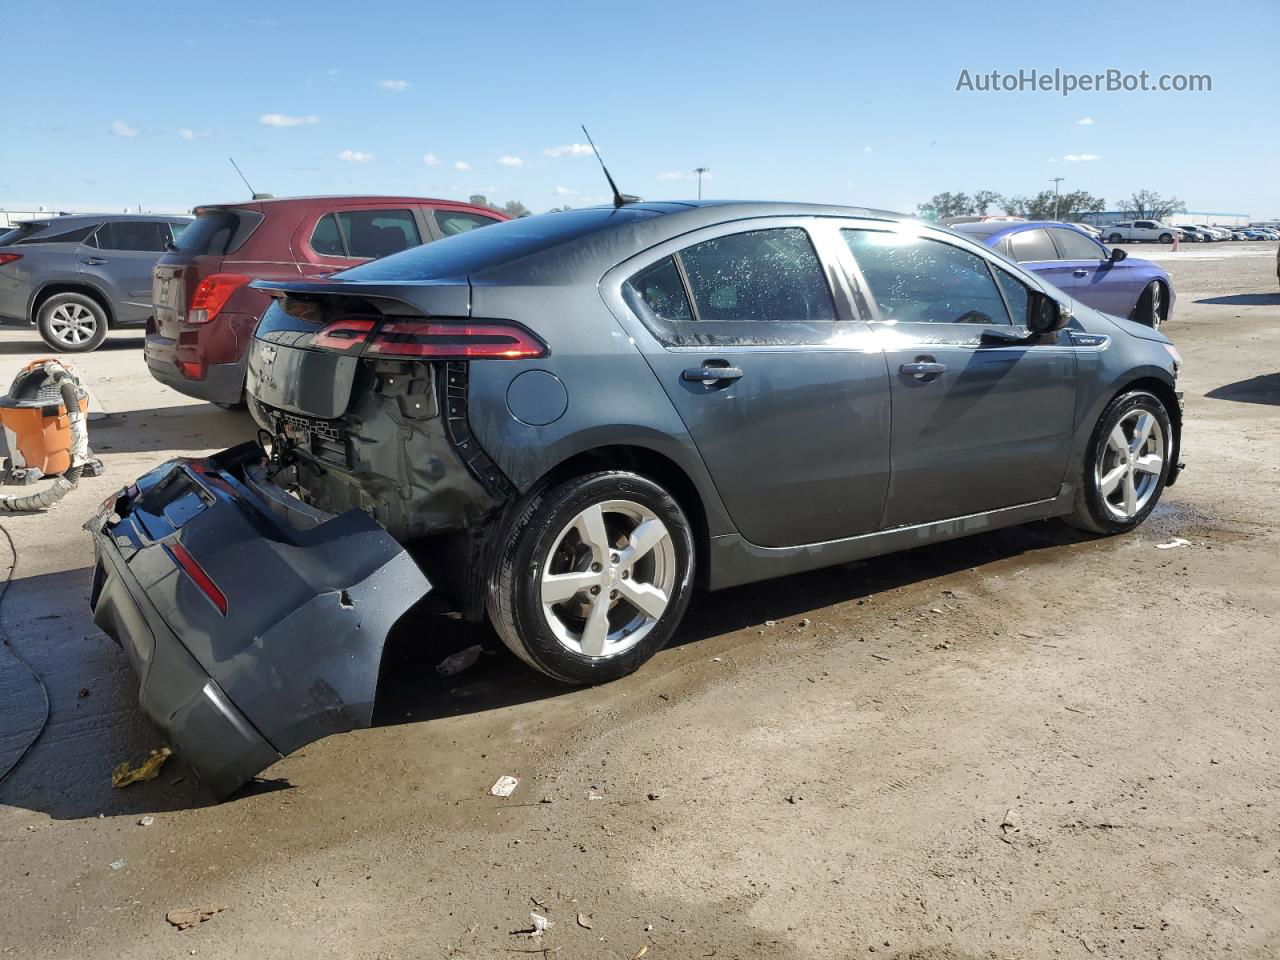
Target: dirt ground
1026, 744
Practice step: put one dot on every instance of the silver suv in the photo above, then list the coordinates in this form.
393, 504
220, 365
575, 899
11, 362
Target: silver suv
77, 276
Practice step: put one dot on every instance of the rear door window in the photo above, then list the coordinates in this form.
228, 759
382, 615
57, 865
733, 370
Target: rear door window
1030, 246
452, 222
365, 234
757, 288
135, 235
921, 280
1075, 246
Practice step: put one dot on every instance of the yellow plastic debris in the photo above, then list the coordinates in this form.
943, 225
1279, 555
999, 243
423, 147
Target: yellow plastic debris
122, 776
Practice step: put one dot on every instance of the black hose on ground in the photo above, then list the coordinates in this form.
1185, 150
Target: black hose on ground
25, 503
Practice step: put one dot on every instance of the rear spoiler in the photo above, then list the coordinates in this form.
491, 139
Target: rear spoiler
431, 298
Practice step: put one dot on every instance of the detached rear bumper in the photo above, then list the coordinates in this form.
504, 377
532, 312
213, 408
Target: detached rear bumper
255, 624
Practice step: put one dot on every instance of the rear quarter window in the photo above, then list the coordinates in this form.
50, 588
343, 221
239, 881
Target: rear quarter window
217, 232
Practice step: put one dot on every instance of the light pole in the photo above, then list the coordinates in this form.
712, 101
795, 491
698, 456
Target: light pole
700, 171
1056, 181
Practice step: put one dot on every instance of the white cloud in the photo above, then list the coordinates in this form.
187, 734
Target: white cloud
395, 86
331, 72
186, 133
510, 161
355, 156
1080, 157
1085, 122
431, 160
866, 149
563, 191
570, 150
284, 120
122, 129
462, 165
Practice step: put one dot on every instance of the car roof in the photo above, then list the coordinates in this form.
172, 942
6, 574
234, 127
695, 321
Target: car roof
995, 229
62, 218
264, 203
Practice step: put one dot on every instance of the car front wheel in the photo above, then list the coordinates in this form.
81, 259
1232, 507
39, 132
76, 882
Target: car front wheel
1166, 238
1126, 465
1153, 306
594, 576
72, 323
1114, 238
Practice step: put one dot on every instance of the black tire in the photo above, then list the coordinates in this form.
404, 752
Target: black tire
1166, 238
515, 586
1152, 308
1091, 511
1115, 238
72, 323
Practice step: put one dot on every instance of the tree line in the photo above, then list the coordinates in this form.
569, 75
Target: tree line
1142, 204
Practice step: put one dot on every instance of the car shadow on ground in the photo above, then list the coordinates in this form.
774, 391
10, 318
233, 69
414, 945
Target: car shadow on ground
190, 426
95, 722
1244, 300
36, 346
1260, 389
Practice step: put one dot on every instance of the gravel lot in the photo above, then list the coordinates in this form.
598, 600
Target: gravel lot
1026, 744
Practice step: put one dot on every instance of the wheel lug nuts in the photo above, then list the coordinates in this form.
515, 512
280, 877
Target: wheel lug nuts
594, 591
613, 594
613, 557
595, 568
625, 574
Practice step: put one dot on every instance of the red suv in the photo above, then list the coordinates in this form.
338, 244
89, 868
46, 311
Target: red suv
205, 310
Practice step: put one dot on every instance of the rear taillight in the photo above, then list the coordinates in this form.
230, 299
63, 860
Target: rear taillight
191, 567
454, 341
211, 295
9, 258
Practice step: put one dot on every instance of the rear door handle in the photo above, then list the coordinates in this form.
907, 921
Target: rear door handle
704, 374
93, 261
1080, 273
922, 369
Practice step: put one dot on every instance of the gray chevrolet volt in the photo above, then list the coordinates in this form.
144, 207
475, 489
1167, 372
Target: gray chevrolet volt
566, 423
76, 276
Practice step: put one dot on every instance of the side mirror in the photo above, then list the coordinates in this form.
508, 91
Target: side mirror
1047, 315
1118, 254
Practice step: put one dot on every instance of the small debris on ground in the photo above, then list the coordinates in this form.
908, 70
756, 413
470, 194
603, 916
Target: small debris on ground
641, 952
146, 821
1009, 825
805, 622
124, 775
655, 796
504, 786
84, 692
118, 864
717, 659
191, 917
770, 623
540, 924
1175, 542
462, 660
583, 922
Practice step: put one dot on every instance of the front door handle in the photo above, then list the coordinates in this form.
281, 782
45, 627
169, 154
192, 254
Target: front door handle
1080, 273
93, 261
706, 374
923, 369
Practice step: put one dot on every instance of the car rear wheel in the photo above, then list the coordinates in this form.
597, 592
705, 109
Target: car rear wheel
1114, 238
594, 577
1126, 465
1153, 305
72, 323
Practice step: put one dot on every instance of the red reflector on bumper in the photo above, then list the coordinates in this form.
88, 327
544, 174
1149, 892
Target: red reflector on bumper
183, 558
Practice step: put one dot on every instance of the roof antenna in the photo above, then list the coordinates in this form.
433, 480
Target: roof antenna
255, 195
619, 199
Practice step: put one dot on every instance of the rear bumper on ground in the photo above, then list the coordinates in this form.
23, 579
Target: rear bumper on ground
292, 652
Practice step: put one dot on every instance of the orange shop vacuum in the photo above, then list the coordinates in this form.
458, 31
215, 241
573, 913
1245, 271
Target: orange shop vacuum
45, 435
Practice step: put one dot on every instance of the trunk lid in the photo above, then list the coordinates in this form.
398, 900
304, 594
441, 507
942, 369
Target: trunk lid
306, 355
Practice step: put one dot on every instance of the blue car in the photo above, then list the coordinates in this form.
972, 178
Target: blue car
1082, 267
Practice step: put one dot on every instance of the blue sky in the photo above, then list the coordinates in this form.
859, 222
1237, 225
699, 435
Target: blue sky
108, 104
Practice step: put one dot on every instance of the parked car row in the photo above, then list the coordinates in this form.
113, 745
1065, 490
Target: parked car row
1132, 231
566, 423
77, 276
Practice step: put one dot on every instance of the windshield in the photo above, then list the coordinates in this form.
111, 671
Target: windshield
477, 250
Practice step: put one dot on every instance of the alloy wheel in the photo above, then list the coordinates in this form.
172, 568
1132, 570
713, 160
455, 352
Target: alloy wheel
72, 324
608, 578
1156, 295
1128, 472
